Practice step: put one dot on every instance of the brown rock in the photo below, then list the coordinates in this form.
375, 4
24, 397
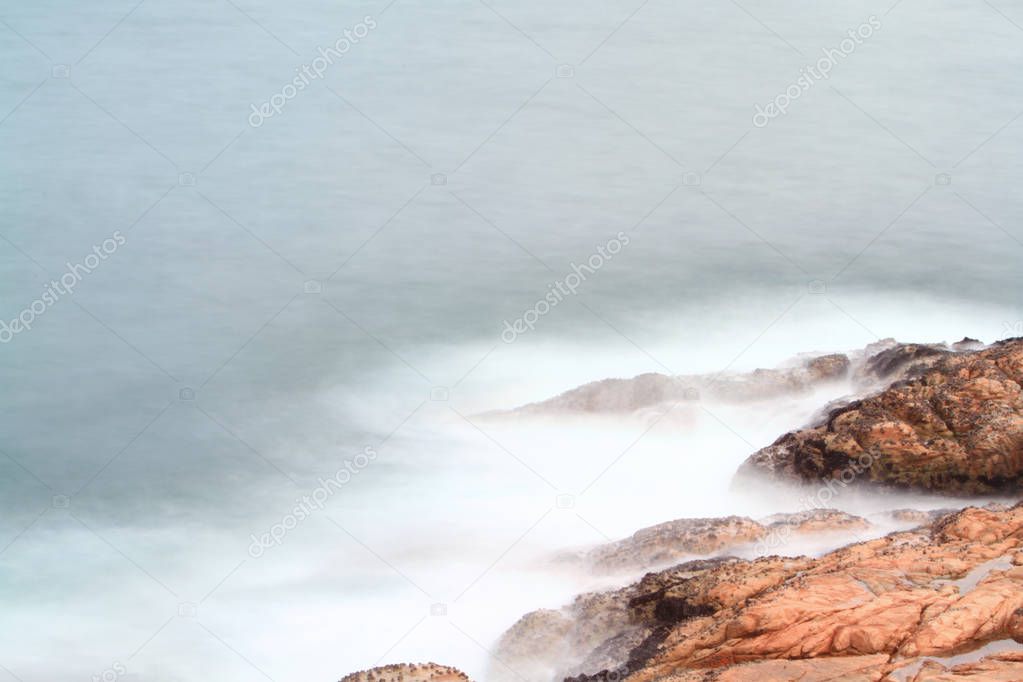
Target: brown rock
817, 521
967, 344
827, 367
917, 516
896, 360
956, 425
1006, 667
543, 639
865, 611
910, 594
845, 668
1014, 625
647, 390
675, 541
409, 672
604, 627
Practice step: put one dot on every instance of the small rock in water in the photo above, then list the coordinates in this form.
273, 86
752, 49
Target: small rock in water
409, 672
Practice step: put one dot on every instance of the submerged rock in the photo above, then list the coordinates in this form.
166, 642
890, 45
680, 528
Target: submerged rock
916, 516
880, 362
647, 390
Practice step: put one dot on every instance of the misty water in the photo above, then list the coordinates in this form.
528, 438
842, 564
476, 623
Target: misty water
333, 284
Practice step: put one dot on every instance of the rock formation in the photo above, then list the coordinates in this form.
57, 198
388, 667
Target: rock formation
893, 608
676, 540
878, 364
940, 602
408, 672
954, 424
646, 390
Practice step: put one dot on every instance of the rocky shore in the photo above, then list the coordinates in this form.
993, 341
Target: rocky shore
954, 424
941, 599
676, 540
611, 396
873, 610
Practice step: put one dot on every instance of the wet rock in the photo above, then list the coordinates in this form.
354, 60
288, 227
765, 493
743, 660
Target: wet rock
898, 359
651, 389
817, 521
1006, 667
408, 672
967, 344
955, 426
916, 516
868, 611
675, 541
896, 596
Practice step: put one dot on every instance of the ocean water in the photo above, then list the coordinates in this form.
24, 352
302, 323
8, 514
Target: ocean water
250, 310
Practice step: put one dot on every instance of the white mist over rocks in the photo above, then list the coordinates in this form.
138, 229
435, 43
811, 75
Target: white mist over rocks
441, 540
337, 278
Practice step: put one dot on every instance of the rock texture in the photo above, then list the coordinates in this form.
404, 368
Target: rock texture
916, 516
408, 672
1007, 667
954, 424
940, 602
875, 610
1004, 667
674, 541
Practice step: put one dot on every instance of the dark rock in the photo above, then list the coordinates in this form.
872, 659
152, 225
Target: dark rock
954, 424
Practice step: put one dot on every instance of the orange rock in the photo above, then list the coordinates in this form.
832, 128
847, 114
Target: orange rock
409, 672
997, 668
1014, 625
674, 541
954, 425
865, 611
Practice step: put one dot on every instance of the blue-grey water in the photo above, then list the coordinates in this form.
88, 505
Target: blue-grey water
266, 302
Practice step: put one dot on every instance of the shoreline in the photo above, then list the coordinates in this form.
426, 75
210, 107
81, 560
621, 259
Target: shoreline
984, 380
